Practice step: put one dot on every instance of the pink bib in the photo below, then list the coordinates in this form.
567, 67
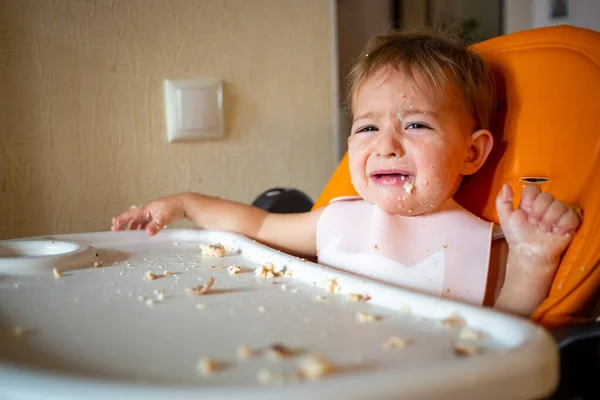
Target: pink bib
444, 254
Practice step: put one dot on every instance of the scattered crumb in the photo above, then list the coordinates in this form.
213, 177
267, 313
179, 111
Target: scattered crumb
218, 267
207, 366
18, 331
201, 306
395, 342
150, 276
462, 349
319, 298
213, 250
245, 352
283, 287
366, 317
331, 286
149, 302
470, 334
267, 271
98, 264
315, 367
140, 298
160, 296
453, 321
56, 273
234, 269
405, 309
279, 352
294, 290
288, 273
267, 377
168, 273
444, 246
202, 289
356, 297
376, 247
261, 309
408, 187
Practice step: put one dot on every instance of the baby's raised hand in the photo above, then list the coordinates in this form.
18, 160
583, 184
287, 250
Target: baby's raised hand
152, 216
540, 227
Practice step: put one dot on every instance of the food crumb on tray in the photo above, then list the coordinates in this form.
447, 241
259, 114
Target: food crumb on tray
266, 377
207, 366
201, 289
465, 350
453, 321
315, 367
395, 342
364, 317
234, 269
356, 297
57, 273
213, 250
267, 270
470, 334
279, 352
98, 264
245, 352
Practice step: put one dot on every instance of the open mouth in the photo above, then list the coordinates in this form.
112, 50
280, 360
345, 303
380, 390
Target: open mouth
392, 177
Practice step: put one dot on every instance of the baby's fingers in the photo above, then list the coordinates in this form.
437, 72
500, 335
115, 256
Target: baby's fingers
551, 216
134, 216
568, 223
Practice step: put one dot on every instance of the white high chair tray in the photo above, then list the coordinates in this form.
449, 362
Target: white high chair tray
94, 333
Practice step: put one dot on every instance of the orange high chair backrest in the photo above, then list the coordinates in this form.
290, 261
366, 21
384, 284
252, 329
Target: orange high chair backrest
547, 126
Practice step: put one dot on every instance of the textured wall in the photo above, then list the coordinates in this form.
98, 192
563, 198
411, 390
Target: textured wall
82, 131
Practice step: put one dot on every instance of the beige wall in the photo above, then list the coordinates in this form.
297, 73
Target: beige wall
82, 131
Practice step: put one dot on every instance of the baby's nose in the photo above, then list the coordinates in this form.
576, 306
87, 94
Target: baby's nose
390, 147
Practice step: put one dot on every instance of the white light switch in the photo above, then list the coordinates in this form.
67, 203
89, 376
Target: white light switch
194, 109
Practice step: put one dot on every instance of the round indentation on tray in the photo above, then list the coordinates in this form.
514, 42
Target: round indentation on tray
25, 257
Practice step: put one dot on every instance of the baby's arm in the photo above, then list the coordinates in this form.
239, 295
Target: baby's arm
538, 232
292, 233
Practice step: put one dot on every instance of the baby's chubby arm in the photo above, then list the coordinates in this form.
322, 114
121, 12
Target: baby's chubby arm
291, 233
538, 232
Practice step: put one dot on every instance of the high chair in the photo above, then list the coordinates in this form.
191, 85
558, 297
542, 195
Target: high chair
547, 132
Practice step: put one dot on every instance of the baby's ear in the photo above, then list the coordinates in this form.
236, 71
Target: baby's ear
482, 142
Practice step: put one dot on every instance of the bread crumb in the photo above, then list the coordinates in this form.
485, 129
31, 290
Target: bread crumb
168, 273
294, 290
331, 286
202, 289
140, 298
261, 309
98, 264
409, 187
470, 334
366, 317
462, 349
376, 247
18, 331
207, 366
444, 246
245, 352
217, 266
356, 297
266, 377
201, 306
453, 321
234, 269
149, 302
213, 250
160, 296
283, 287
405, 309
56, 273
267, 271
315, 367
395, 342
319, 298
279, 352
150, 276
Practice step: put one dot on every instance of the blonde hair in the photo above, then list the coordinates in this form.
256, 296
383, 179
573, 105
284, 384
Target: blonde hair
446, 64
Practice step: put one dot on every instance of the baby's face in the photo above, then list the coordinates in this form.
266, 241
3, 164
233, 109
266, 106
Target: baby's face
407, 147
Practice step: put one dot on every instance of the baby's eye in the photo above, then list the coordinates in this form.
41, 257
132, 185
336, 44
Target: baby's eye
369, 128
417, 125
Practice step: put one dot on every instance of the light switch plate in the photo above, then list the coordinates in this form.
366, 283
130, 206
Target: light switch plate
194, 109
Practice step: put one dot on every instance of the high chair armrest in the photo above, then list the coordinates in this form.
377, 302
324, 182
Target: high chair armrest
283, 201
579, 347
